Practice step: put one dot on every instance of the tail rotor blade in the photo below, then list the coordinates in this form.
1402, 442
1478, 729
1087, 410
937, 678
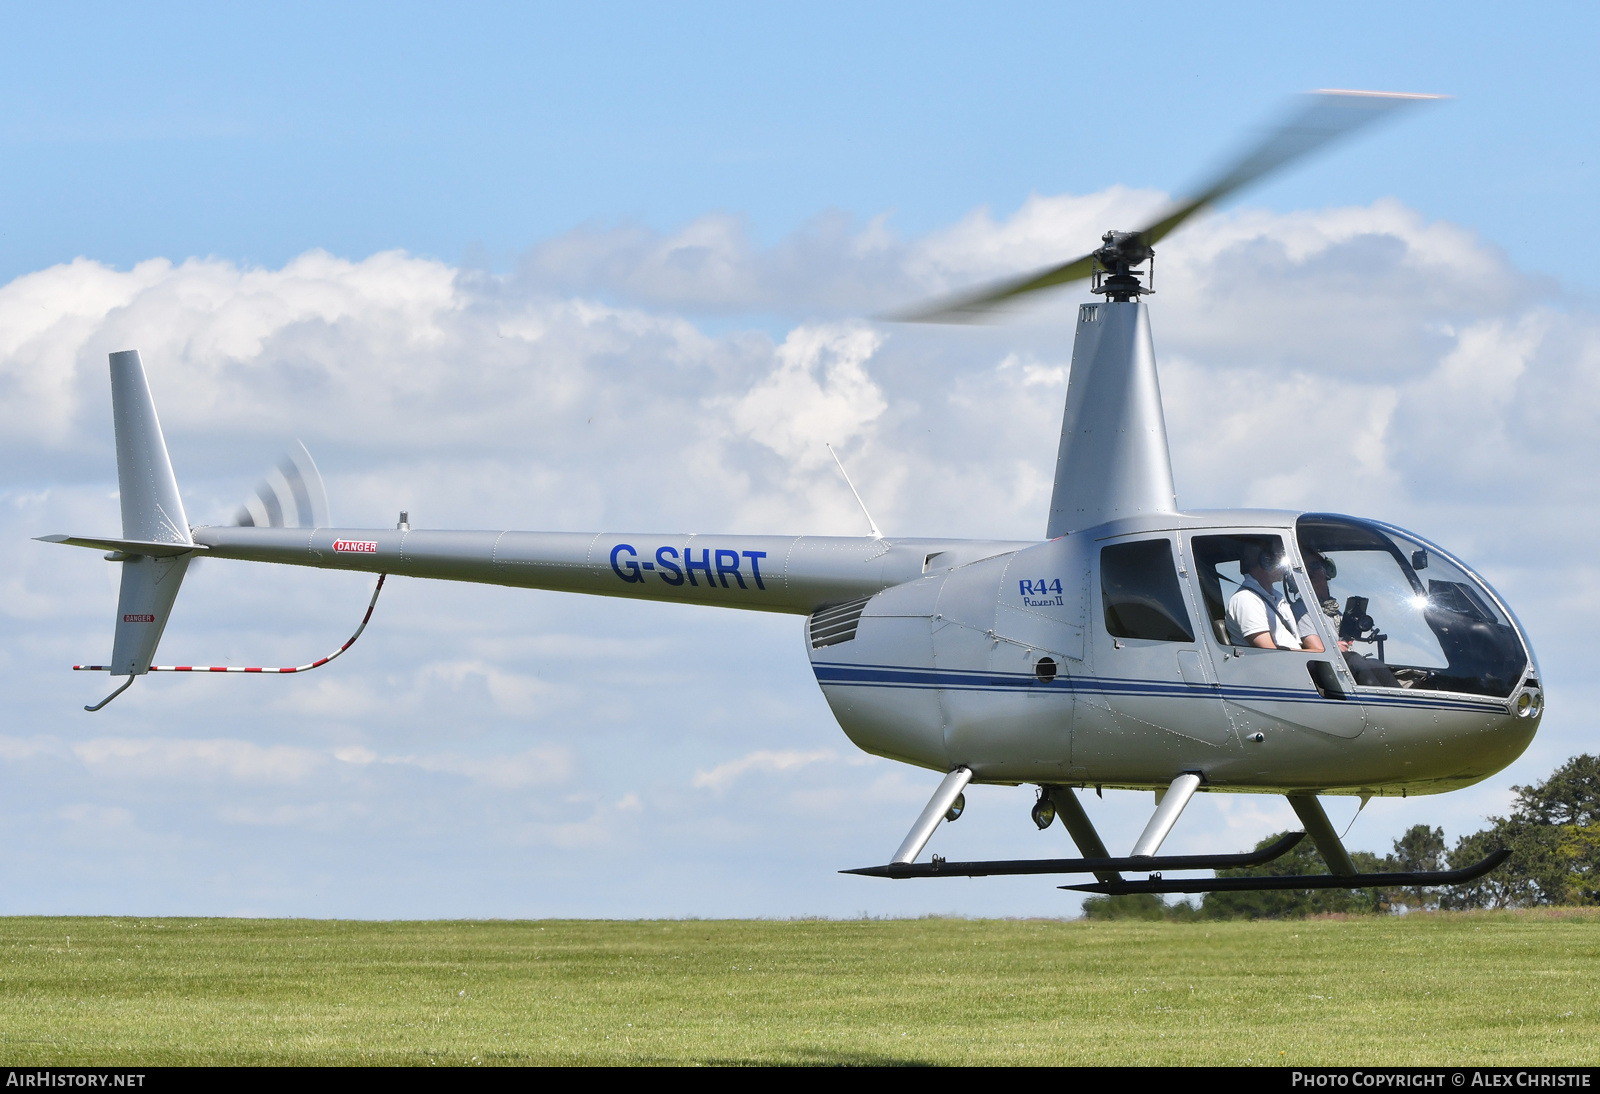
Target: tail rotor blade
305, 483
290, 496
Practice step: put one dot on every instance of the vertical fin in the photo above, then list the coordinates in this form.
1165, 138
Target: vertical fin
151, 508
151, 511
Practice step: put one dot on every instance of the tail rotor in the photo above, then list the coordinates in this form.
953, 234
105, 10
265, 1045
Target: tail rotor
290, 496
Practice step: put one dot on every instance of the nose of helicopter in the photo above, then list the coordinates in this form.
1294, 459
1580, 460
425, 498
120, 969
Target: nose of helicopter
1462, 747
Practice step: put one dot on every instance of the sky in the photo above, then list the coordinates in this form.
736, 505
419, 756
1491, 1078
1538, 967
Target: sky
527, 267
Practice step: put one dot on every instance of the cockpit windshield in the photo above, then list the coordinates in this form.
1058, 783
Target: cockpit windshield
1403, 614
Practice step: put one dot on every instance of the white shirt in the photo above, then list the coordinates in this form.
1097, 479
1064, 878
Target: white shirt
1305, 621
1249, 614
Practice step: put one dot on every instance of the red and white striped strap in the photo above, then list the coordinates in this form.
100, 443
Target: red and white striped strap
232, 668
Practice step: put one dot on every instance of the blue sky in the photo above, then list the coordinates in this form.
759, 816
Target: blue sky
521, 267
258, 134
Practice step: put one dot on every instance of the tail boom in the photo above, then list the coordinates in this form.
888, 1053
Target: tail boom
791, 574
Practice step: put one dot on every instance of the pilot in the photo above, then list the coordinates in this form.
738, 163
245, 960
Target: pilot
1367, 670
1259, 615
1321, 570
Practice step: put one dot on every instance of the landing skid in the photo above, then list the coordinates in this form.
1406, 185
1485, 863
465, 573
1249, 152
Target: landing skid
1146, 863
1169, 804
1158, 884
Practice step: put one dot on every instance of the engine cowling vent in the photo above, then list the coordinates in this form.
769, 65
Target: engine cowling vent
836, 623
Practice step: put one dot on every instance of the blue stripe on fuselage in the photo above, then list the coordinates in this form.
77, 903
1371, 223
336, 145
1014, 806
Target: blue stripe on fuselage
898, 676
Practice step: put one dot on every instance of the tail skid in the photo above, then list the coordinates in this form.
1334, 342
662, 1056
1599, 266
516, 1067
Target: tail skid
317, 664
126, 684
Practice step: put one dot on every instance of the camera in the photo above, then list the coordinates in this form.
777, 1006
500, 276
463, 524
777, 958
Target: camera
1355, 622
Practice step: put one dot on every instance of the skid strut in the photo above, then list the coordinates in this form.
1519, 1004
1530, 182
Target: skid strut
1076, 821
938, 805
1169, 806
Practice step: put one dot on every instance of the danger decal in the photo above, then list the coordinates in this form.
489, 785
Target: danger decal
356, 546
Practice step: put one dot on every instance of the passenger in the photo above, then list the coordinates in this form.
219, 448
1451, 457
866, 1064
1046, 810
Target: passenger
1367, 670
1305, 623
1259, 615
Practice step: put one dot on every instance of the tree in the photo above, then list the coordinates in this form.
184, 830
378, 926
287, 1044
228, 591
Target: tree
1125, 906
1553, 834
1571, 795
1420, 849
1554, 838
1296, 903
1146, 906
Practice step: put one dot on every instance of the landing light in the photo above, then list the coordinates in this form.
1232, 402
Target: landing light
954, 812
1524, 704
1044, 811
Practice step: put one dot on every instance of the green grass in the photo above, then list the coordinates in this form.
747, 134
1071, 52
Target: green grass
1490, 988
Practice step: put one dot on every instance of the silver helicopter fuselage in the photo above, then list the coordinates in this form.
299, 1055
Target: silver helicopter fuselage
1033, 661
1136, 646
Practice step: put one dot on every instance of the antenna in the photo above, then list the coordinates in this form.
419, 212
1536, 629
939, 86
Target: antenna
870, 522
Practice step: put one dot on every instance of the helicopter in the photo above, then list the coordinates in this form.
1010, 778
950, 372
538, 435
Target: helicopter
1137, 646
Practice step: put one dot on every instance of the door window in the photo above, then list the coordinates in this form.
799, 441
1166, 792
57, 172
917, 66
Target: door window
1268, 611
1139, 588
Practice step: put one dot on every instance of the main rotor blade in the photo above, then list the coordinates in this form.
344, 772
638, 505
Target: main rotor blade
977, 305
1320, 118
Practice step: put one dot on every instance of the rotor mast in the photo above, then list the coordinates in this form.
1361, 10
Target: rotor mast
1113, 460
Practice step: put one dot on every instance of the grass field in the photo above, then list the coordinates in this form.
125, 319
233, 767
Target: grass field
1491, 988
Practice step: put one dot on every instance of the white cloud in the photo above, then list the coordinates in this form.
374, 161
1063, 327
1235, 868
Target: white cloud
763, 760
176, 758
276, 816
511, 691
536, 767
820, 392
23, 748
199, 762
1386, 365
100, 817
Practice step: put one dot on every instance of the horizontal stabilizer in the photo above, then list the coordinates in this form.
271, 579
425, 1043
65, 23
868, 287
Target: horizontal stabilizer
128, 547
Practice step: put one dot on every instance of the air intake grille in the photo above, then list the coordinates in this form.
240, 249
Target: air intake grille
836, 623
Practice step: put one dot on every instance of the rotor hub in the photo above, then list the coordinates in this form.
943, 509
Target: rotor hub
1115, 276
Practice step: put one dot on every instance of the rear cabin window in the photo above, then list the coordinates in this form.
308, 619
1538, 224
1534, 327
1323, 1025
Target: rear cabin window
1139, 586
